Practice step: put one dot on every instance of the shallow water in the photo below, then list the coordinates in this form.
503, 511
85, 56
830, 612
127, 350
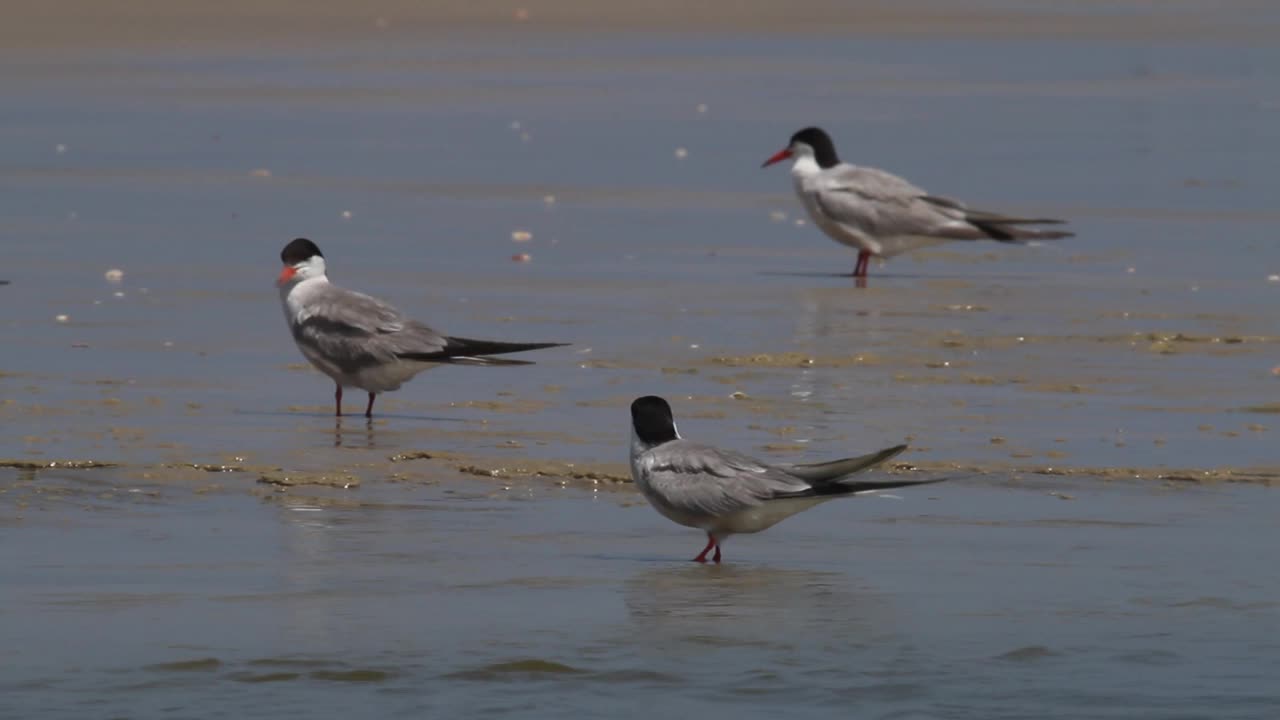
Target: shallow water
973, 600
1147, 342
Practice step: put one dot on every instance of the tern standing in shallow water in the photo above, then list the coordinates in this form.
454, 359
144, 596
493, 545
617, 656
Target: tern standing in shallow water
360, 341
724, 493
880, 214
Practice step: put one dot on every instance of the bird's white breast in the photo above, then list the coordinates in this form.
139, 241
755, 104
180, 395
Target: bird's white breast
764, 516
810, 181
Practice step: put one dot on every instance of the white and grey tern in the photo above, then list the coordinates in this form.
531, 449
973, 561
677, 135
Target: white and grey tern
880, 214
362, 342
725, 493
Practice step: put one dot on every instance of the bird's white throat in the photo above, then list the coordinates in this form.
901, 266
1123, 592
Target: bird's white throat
805, 166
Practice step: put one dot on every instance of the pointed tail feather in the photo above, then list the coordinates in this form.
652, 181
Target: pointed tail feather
469, 346
853, 487
1005, 228
972, 215
833, 471
466, 351
1009, 232
862, 486
484, 360
1000, 219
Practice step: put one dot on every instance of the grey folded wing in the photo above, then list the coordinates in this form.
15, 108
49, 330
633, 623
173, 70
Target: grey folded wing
1001, 227
883, 205
470, 351
354, 331
837, 470
698, 479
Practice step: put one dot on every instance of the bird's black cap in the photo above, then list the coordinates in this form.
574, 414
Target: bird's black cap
298, 251
652, 420
824, 151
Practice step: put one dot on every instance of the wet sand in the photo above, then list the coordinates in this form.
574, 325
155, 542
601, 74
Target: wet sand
1109, 401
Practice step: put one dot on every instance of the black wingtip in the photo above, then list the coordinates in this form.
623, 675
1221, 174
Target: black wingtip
1011, 231
471, 346
863, 486
466, 351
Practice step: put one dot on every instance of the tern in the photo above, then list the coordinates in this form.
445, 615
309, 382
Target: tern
725, 493
360, 341
880, 214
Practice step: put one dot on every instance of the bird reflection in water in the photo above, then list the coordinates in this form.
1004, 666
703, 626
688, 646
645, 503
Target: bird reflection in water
353, 439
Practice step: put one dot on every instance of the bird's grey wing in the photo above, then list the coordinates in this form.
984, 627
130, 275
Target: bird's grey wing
975, 215
353, 313
872, 182
698, 479
890, 216
884, 205
848, 486
818, 473
354, 331
946, 202
836, 477
1001, 227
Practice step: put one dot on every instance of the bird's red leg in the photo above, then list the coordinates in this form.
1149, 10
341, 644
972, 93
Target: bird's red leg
711, 543
368, 411
337, 402
864, 259
716, 558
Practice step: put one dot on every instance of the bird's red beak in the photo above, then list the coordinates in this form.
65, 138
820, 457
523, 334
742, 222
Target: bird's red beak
779, 156
285, 275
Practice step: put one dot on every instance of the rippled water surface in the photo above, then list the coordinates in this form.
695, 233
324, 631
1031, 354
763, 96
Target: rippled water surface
335, 573
973, 600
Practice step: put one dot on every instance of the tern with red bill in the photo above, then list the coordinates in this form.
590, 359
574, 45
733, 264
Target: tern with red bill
723, 493
362, 342
880, 214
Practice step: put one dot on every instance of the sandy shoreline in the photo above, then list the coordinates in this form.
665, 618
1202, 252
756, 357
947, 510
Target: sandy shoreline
428, 467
